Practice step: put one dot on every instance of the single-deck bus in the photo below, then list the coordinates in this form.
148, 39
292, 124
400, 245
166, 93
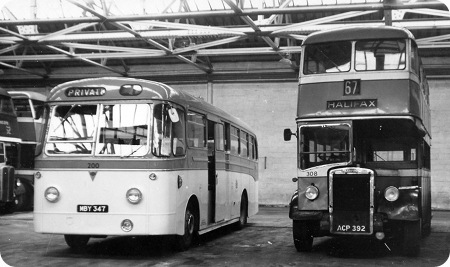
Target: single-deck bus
130, 157
363, 133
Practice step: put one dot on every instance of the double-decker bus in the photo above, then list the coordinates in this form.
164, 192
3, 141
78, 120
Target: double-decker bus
130, 157
363, 135
29, 108
9, 140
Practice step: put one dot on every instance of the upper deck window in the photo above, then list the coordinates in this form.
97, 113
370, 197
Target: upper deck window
6, 105
380, 55
327, 58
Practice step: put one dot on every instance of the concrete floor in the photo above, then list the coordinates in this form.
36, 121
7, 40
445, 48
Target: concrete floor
266, 241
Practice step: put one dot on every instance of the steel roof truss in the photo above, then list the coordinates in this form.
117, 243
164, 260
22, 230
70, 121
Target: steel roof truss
294, 27
66, 31
24, 70
77, 57
113, 48
209, 44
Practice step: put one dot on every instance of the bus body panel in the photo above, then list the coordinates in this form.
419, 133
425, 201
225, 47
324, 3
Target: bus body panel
377, 97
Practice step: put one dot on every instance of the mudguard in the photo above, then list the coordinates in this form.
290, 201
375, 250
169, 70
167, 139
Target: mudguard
406, 207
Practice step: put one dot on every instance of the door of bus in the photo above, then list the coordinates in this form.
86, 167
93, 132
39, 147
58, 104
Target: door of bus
217, 177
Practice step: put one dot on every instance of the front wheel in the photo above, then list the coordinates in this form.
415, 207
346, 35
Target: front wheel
77, 242
411, 238
183, 242
302, 234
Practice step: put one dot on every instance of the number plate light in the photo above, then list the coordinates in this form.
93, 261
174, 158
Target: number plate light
126, 225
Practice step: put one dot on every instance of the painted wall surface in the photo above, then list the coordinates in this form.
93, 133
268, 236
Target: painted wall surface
440, 143
270, 107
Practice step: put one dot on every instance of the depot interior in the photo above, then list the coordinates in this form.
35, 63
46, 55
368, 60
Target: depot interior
241, 56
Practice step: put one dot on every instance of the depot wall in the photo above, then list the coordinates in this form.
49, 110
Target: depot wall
270, 107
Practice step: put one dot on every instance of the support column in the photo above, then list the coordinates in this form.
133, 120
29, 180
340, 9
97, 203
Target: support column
210, 92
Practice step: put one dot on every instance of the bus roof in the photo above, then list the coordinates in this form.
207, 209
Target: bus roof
90, 90
358, 33
28, 94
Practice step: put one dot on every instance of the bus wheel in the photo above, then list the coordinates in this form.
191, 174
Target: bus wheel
8, 208
243, 213
77, 242
183, 242
303, 238
24, 198
411, 238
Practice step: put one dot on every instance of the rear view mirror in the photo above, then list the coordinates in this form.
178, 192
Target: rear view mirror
173, 114
287, 134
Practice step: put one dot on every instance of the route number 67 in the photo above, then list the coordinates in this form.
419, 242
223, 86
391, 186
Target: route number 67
352, 87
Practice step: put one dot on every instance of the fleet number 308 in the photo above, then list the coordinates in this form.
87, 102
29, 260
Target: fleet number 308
311, 173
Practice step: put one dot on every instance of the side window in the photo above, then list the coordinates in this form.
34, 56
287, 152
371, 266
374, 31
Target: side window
255, 148
244, 144
23, 107
252, 147
415, 61
179, 140
38, 109
196, 130
220, 137
234, 140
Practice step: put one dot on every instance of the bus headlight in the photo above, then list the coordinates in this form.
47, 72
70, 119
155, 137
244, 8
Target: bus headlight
312, 192
391, 193
134, 196
51, 194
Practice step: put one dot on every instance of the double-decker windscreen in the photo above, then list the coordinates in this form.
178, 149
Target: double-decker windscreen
324, 144
127, 129
369, 55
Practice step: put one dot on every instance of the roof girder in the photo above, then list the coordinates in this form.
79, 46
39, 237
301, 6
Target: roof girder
220, 35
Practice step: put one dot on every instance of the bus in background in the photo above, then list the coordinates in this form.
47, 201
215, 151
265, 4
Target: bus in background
363, 133
29, 108
9, 140
130, 157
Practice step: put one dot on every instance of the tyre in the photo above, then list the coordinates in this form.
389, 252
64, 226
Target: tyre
77, 242
183, 242
411, 238
243, 213
24, 198
302, 234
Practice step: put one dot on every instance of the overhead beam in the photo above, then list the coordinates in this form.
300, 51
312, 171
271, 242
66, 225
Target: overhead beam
138, 35
77, 57
227, 13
